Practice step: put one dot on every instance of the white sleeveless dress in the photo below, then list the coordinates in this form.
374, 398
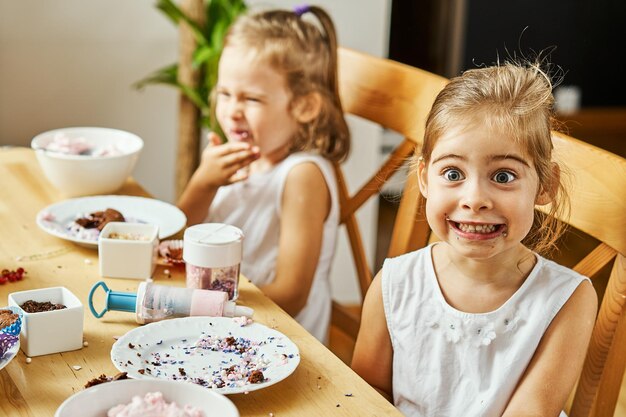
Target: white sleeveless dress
254, 206
450, 363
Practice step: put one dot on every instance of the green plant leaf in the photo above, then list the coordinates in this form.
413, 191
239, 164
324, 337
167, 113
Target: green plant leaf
165, 75
192, 94
220, 14
176, 15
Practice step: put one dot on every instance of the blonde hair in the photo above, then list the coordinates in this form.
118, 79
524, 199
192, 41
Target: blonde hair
515, 99
308, 58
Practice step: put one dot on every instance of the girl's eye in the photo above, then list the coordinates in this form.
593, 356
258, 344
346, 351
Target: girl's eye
223, 94
253, 99
452, 174
503, 177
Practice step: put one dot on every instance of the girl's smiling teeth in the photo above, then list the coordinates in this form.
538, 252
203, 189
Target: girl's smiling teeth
477, 228
480, 228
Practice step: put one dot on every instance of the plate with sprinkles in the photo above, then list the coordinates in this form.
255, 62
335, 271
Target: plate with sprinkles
80, 220
225, 354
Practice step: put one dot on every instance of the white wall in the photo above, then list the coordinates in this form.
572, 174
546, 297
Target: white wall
73, 62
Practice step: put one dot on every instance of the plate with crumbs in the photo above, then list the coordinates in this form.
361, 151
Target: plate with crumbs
60, 219
218, 353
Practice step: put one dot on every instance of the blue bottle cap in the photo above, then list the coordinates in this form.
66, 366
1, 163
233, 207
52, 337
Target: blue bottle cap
115, 300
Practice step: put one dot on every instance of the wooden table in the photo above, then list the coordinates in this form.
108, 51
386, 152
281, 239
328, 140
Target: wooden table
318, 386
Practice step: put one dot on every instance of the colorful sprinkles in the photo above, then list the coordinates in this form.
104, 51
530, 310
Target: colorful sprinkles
241, 363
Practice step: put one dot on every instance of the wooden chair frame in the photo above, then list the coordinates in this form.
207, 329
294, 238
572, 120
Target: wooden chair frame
598, 196
397, 97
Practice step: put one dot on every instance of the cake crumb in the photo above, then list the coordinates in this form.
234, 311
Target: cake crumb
77, 367
28, 360
85, 343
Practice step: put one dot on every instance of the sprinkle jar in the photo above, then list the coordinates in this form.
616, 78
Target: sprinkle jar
212, 253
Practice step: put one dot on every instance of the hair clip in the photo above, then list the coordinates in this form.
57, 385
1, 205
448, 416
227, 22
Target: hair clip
301, 9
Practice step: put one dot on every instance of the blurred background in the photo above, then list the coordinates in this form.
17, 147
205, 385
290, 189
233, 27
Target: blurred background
74, 62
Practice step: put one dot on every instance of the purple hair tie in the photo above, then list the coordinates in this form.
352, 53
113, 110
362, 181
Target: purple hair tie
302, 9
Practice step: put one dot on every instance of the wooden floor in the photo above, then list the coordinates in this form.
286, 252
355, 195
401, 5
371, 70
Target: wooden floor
575, 243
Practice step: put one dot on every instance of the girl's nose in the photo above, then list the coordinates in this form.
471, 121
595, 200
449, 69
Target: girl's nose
235, 109
475, 197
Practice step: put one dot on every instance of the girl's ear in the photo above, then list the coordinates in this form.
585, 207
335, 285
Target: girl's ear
547, 192
422, 177
307, 108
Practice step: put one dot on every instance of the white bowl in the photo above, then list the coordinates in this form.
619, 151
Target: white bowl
97, 400
78, 175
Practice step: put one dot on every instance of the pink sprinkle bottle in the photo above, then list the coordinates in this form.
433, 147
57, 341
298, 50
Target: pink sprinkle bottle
212, 254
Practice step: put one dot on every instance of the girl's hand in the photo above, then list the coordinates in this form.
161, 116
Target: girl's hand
222, 164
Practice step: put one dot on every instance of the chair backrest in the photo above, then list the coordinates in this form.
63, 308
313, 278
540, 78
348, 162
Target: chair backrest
598, 208
397, 97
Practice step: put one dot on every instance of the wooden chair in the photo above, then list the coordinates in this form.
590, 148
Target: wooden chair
397, 97
598, 200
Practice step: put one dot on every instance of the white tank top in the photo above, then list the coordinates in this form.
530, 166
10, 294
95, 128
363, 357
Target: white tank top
450, 363
254, 206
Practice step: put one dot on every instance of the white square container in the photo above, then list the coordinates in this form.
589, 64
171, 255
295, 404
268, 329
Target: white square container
133, 254
50, 331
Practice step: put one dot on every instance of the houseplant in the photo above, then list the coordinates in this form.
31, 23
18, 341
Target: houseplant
208, 33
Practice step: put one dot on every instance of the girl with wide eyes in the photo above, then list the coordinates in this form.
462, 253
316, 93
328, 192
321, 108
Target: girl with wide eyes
479, 323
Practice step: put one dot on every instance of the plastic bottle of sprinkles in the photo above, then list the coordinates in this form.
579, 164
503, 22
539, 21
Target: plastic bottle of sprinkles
212, 253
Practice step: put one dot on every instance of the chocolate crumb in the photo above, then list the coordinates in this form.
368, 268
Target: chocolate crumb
32, 306
103, 378
256, 377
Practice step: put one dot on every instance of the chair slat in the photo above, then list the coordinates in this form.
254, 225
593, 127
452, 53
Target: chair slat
597, 259
601, 378
397, 158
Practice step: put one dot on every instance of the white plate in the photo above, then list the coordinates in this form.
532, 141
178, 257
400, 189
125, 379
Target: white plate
97, 400
9, 354
143, 347
56, 218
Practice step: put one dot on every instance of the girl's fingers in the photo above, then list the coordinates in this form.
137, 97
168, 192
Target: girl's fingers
240, 159
214, 139
230, 148
239, 170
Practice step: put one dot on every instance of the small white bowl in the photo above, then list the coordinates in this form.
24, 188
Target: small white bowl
128, 258
78, 175
53, 331
97, 400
